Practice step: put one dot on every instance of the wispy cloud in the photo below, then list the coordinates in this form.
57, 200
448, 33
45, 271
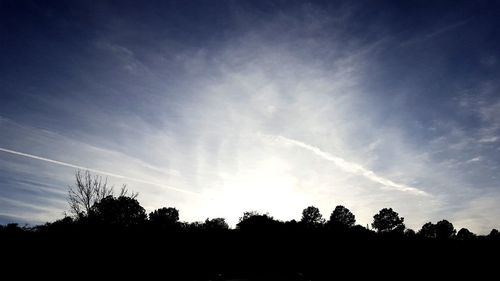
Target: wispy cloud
95, 170
488, 139
353, 168
437, 32
21, 211
475, 159
126, 57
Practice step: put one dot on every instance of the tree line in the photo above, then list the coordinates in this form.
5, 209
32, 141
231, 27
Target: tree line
110, 231
95, 205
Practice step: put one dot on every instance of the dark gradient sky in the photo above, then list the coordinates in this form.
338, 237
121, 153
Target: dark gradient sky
220, 107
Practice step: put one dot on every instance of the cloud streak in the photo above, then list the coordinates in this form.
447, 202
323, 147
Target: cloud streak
96, 171
353, 168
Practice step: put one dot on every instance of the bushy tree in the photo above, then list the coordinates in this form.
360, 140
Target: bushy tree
445, 230
312, 217
342, 217
410, 233
122, 211
494, 234
387, 220
464, 234
441, 230
164, 217
255, 221
428, 230
215, 224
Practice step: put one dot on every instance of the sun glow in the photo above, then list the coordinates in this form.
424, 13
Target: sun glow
266, 186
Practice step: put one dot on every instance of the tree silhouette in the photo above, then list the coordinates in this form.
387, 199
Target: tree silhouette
61, 225
311, 217
192, 226
494, 234
428, 230
122, 211
164, 218
388, 220
255, 221
248, 215
215, 224
465, 234
342, 217
88, 190
410, 233
444, 230
11, 229
441, 230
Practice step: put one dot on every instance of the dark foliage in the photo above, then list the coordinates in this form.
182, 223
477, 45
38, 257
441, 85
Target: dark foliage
494, 234
388, 220
428, 230
410, 233
445, 230
119, 211
311, 217
464, 234
215, 224
441, 230
341, 217
254, 221
164, 218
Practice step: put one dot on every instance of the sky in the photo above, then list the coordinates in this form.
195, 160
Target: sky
221, 107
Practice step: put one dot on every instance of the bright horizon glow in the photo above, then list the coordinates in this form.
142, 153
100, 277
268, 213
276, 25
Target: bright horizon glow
268, 187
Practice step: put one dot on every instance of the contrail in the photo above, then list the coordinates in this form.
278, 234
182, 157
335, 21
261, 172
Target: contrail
95, 171
352, 167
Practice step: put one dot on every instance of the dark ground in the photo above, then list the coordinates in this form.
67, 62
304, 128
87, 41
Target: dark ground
236, 255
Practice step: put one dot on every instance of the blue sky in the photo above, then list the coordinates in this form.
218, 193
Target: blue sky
221, 107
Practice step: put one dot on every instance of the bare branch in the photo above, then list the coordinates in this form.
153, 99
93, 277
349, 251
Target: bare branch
124, 192
87, 191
